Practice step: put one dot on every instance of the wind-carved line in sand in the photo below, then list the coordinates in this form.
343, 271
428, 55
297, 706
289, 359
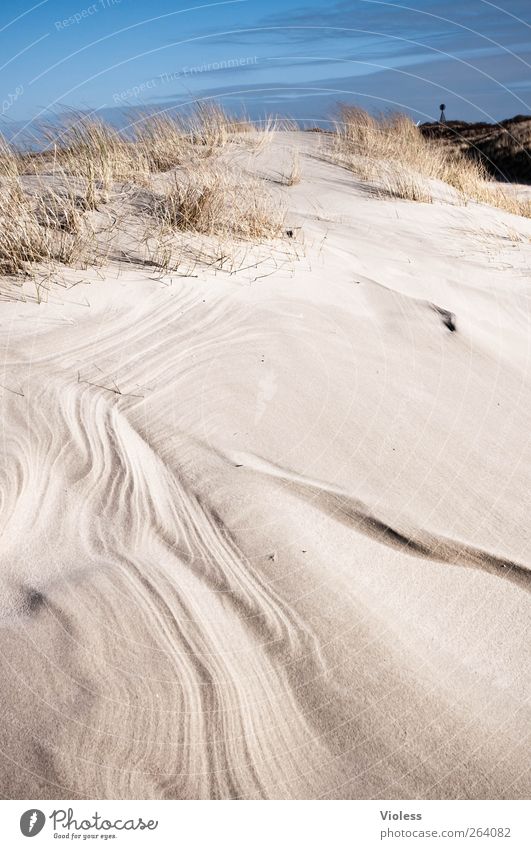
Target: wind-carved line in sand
414, 541
160, 578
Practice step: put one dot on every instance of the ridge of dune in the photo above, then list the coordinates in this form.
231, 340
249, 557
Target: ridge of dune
265, 535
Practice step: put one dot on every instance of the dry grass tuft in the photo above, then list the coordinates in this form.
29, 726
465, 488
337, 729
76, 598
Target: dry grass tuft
35, 232
502, 198
40, 225
168, 141
214, 201
293, 178
101, 155
400, 182
211, 127
9, 162
96, 155
393, 149
47, 198
164, 141
60, 211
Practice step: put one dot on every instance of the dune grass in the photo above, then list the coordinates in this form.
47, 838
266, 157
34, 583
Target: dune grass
154, 143
39, 226
293, 177
29, 235
47, 198
214, 201
390, 149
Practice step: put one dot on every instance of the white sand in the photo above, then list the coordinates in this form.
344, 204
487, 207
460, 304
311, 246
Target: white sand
290, 558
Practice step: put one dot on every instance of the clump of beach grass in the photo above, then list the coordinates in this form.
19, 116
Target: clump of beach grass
391, 149
102, 155
399, 182
47, 196
39, 231
96, 155
293, 177
213, 200
38, 224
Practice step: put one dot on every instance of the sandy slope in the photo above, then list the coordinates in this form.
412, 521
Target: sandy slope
291, 558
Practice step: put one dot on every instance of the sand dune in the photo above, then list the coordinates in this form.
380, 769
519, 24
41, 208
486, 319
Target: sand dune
266, 535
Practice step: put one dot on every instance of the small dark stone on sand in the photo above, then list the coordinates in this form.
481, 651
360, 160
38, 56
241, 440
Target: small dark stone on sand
447, 317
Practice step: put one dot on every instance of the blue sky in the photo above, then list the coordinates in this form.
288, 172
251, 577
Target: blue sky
293, 58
